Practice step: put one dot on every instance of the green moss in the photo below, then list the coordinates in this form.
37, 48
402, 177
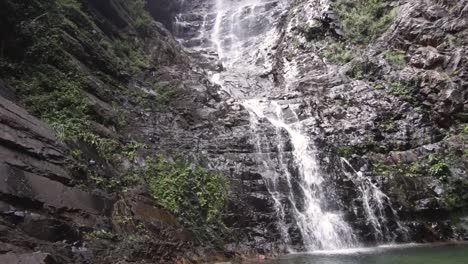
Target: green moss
405, 90
396, 58
455, 194
364, 20
131, 150
314, 31
345, 151
141, 19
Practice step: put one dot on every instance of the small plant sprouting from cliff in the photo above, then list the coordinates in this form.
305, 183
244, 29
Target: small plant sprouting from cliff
337, 52
165, 95
345, 151
363, 68
364, 20
438, 168
404, 90
197, 196
102, 235
412, 169
157, 98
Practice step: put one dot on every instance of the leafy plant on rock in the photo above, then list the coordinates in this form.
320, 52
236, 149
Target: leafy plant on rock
439, 167
364, 20
197, 196
337, 52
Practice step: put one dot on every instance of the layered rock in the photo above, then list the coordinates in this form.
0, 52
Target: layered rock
367, 133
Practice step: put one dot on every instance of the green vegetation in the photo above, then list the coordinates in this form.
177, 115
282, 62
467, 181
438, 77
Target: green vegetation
195, 195
459, 39
396, 58
52, 35
57, 58
364, 20
413, 169
337, 52
157, 99
133, 58
432, 165
130, 150
345, 151
405, 90
314, 30
363, 69
381, 169
379, 86
102, 235
136, 10
55, 97
455, 195
438, 168
164, 96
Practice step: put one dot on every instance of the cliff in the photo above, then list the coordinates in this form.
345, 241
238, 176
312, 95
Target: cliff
127, 133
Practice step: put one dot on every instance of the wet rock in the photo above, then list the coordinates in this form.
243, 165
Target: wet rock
155, 217
48, 229
27, 185
427, 58
335, 110
28, 258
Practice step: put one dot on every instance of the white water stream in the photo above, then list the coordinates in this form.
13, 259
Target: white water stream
244, 35
242, 32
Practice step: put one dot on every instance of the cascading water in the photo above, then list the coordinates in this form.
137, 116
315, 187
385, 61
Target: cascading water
243, 34
374, 203
319, 228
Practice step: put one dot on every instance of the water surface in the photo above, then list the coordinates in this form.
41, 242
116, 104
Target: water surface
456, 253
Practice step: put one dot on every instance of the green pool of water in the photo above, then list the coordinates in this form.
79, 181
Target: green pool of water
456, 253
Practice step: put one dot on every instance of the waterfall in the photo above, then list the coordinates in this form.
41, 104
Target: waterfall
243, 36
374, 203
319, 229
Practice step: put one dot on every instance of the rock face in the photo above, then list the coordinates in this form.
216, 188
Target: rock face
379, 128
33, 258
50, 209
386, 127
39, 204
